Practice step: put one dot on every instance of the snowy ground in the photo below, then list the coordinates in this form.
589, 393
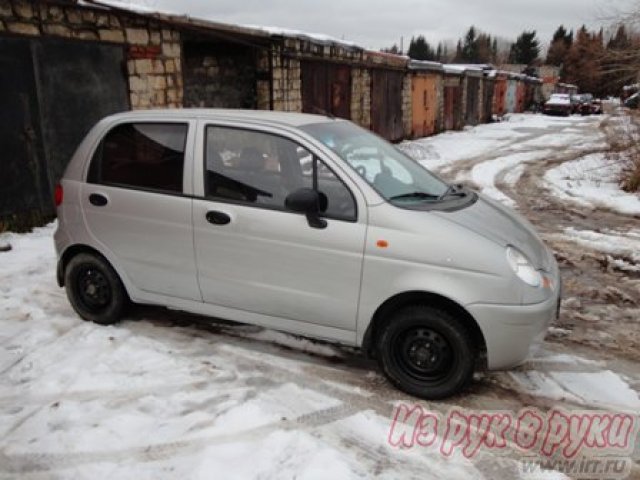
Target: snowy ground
165, 395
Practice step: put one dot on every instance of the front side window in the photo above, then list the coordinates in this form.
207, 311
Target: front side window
262, 169
149, 156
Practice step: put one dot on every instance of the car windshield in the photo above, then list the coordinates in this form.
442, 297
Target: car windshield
396, 177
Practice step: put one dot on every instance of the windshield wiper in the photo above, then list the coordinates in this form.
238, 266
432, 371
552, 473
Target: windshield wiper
415, 195
452, 190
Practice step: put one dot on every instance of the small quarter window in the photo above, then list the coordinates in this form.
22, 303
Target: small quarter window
148, 156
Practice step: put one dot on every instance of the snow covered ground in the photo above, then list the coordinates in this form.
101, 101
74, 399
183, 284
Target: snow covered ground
497, 153
164, 395
592, 181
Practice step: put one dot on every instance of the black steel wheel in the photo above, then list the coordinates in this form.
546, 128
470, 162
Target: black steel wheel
94, 289
426, 352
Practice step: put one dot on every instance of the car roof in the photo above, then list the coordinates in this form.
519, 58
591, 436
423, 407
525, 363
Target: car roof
292, 119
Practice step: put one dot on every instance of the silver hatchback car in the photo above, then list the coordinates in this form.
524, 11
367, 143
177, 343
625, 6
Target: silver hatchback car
306, 224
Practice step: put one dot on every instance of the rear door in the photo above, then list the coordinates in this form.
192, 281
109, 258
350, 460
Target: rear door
255, 256
137, 205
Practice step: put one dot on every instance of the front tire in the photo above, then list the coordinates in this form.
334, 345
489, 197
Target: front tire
94, 289
427, 352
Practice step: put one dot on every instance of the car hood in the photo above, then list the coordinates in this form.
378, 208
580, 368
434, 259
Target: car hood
502, 225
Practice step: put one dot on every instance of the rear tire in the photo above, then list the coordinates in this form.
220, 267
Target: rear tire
427, 352
94, 289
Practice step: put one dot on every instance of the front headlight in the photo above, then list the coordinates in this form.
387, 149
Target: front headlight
523, 268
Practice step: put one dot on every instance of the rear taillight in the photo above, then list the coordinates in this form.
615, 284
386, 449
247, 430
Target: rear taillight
58, 195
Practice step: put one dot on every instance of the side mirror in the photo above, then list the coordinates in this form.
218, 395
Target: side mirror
309, 202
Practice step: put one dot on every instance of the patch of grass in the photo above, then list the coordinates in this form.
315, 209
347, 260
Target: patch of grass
623, 135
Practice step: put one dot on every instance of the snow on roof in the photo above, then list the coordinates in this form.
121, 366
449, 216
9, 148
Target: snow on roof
466, 68
425, 65
257, 30
454, 69
315, 37
174, 17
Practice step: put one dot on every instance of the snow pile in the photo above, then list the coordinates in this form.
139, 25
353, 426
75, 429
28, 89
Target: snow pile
592, 181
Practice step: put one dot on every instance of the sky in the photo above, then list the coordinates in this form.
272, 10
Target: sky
374, 24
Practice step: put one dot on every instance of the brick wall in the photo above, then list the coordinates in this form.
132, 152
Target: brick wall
153, 52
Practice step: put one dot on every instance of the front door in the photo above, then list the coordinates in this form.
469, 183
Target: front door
255, 256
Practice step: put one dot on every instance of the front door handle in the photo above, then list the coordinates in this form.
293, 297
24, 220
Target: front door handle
98, 200
218, 218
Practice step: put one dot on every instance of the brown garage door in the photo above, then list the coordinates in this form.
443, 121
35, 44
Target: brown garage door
386, 104
326, 89
452, 107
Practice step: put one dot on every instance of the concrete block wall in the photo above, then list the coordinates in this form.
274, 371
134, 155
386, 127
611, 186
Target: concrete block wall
407, 106
440, 115
287, 79
361, 97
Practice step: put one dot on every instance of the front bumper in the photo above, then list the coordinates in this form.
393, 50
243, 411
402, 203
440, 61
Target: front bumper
511, 330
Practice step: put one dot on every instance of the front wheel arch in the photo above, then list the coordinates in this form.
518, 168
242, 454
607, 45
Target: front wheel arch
385, 311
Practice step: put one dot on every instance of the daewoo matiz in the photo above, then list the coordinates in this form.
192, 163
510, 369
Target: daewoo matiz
305, 224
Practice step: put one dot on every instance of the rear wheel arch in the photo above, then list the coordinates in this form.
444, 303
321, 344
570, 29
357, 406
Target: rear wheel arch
385, 311
71, 252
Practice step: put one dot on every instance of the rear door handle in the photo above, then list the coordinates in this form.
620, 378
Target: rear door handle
218, 218
98, 199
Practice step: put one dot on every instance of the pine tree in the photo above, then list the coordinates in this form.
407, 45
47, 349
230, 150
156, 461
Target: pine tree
470, 46
583, 62
618, 65
459, 54
392, 49
439, 52
526, 49
560, 45
419, 49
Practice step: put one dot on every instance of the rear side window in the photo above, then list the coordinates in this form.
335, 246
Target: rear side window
149, 156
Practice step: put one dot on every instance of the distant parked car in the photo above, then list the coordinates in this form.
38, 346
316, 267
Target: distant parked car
576, 102
559, 104
306, 224
584, 103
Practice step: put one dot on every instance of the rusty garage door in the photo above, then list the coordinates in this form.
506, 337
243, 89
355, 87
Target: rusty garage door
473, 101
386, 104
452, 95
52, 92
326, 89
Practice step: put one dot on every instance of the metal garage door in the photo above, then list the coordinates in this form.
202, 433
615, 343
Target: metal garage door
23, 182
326, 89
473, 101
54, 91
386, 104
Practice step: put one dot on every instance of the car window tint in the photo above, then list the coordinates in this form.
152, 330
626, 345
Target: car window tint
263, 169
142, 155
